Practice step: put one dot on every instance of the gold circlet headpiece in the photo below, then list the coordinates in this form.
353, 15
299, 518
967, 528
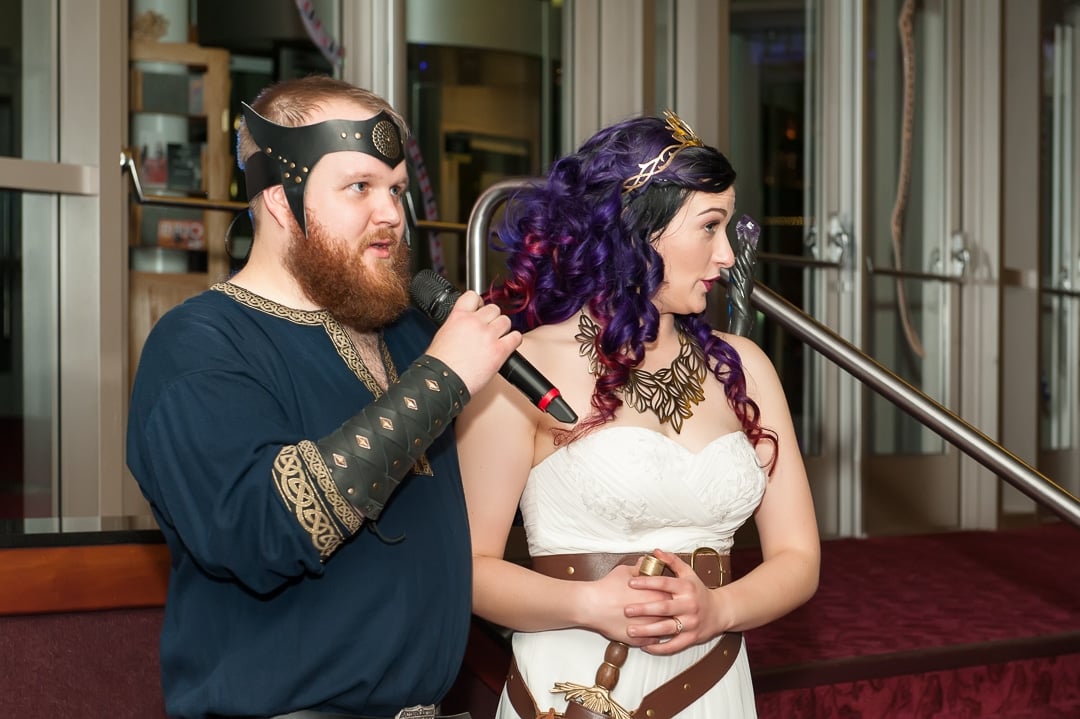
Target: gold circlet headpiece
683, 136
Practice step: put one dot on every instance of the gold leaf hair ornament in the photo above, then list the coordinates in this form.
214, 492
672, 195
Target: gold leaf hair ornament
683, 136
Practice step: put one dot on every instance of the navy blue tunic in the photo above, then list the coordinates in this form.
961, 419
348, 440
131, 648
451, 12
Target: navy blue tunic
279, 599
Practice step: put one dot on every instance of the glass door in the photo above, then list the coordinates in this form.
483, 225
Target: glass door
784, 96
60, 267
483, 101
29, 242
914, 262
1059, 291
848, 158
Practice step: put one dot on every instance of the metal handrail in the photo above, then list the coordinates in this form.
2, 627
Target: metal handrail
479, 220
441, 226
798, 261
941, 420
872, 269
848, 357
1059, 292
127, 162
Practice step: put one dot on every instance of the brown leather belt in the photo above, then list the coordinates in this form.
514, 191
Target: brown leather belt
417, 712
713, 568
680, 691
665, 701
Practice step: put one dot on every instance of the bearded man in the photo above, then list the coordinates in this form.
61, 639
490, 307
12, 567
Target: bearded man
291, 430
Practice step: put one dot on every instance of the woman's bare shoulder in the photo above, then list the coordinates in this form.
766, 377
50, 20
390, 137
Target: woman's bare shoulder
741, 345
755, 362
556, 338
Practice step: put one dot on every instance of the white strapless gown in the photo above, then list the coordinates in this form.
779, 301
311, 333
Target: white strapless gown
630, 489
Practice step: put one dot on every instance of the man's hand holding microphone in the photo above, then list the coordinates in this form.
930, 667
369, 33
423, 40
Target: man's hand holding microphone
475, 340
434, 294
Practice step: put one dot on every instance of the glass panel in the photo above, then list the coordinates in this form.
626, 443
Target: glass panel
28, 496
906, 169
892, 431
1059, 375
770, 148
664, 27
168, 134
1058, 391
477, 118
27, 87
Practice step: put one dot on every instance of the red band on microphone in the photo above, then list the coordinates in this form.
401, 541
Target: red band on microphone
547, 399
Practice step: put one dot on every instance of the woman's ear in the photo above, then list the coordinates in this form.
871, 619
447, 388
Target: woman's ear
277, 205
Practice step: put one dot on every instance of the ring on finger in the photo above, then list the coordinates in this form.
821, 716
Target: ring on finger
678, 625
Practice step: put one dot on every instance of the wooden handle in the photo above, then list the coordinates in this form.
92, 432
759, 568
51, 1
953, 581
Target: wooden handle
607, 676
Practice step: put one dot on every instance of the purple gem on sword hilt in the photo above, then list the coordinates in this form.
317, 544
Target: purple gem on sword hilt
747, 230
741, 283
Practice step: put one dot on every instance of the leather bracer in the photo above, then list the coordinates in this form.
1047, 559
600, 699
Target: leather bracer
371, 453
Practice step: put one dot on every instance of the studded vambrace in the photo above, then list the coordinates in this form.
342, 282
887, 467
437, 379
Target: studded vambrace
371, 453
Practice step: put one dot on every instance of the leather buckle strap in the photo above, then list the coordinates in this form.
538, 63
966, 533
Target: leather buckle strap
713, 568
688, 686
420, 711
520, 696
664, 702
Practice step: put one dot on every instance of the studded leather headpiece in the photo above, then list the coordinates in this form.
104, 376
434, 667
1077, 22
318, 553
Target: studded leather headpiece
287, 155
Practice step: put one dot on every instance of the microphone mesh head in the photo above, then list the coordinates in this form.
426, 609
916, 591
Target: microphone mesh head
433, 294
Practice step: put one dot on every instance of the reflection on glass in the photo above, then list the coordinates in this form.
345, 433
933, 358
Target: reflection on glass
27, 97
769, 148
27, 359
10, 79
1058, 390
893, 431
1059, 375
476, 115
28, 130
908, 321
168, 137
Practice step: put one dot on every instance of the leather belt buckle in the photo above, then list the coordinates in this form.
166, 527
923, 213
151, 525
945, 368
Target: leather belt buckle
708, 551
420, 711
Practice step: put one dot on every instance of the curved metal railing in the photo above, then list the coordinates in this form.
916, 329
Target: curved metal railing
847, 356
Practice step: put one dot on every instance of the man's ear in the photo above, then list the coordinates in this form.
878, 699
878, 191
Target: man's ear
277, 205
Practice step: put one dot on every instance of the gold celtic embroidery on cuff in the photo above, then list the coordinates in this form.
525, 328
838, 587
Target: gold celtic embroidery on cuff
294, 485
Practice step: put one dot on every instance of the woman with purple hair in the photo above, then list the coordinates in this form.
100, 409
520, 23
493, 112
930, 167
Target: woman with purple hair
687, 435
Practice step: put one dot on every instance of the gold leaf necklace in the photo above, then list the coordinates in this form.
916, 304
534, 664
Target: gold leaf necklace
670, 393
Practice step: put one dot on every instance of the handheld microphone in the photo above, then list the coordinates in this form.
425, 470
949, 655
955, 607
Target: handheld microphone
434, 294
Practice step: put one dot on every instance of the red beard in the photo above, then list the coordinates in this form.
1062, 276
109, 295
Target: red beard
333, 275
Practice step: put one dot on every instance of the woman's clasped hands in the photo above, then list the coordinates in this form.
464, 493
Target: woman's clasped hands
679, 612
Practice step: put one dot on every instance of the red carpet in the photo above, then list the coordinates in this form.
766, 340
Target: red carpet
89, 665
964, 624
1025, 689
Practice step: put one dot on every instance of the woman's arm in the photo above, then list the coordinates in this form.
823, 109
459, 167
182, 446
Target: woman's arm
786, 525
497, 436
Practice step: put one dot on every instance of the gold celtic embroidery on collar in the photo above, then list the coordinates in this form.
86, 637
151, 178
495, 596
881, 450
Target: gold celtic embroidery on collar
255, 302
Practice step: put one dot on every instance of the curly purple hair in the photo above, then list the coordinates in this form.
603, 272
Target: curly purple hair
578, 239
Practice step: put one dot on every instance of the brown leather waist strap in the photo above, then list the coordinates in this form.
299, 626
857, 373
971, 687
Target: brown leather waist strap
665, 701
713, 568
